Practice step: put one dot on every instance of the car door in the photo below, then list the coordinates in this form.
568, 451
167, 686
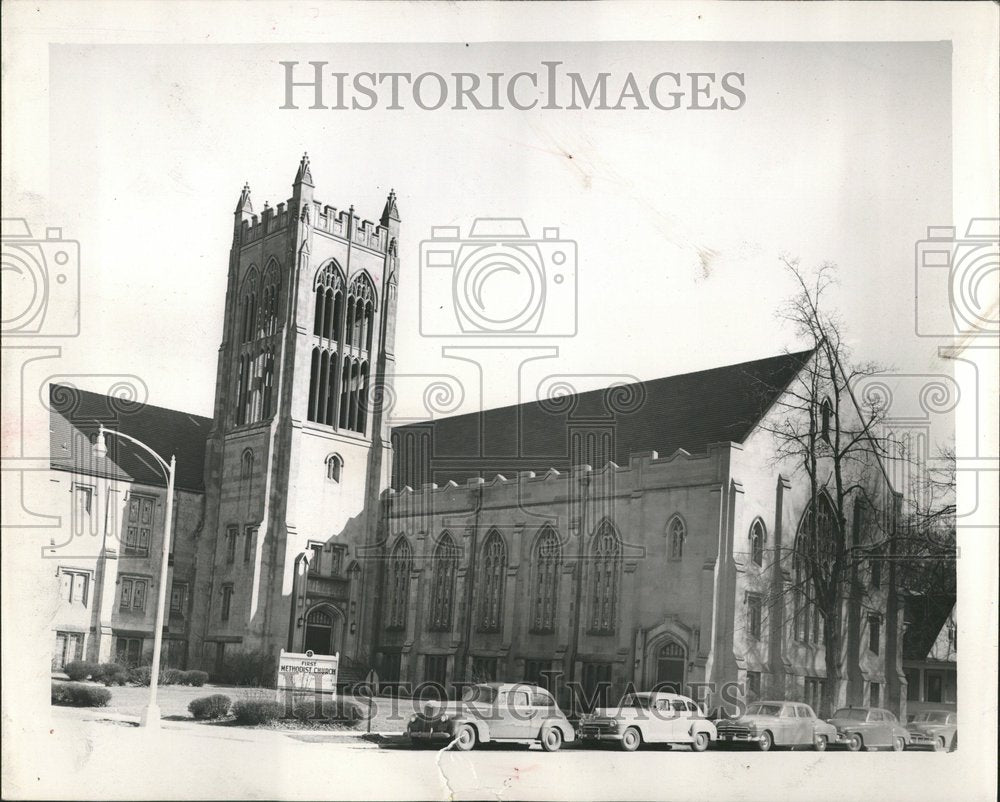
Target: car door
659, 724
519, 715
788, 726
877, 731
679, 721
810, 722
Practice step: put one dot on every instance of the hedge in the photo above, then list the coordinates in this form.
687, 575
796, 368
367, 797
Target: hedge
76, 694
256, 711
206, 707
80, 670
111, 674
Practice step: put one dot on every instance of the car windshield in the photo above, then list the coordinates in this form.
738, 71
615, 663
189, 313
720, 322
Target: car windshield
760, 709
851, 714
479, 693
937, 716
634, 700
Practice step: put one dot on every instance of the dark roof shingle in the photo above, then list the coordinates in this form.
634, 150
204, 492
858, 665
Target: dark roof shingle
688, 412
75, 416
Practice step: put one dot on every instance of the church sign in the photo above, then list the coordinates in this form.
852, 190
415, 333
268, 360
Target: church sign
306, 677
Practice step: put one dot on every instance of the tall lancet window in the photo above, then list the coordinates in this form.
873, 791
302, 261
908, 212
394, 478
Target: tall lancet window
605, 579
443, 583
546, 562
491, 582
398, 581
326, 390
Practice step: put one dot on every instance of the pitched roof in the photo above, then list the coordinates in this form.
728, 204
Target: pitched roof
75, 416
688, 412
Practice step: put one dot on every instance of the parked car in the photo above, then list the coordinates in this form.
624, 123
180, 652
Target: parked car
494, 712
934, 729
769, 724
649, 718
869, 728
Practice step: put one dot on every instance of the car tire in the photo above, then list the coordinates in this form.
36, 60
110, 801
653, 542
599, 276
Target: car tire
766, 742
940, 745
820, 743
699, 743
898, 744
551, 739
465, 738
631, 739
854, 742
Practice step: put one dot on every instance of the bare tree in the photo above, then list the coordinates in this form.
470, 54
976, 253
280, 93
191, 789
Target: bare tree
822, 432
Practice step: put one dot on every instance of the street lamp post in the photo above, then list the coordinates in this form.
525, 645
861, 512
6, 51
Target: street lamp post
151, 714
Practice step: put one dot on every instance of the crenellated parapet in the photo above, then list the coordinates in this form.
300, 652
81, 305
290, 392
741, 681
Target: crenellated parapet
339, 223
645, 471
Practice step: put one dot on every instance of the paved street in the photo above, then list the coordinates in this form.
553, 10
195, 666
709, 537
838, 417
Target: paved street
83, 754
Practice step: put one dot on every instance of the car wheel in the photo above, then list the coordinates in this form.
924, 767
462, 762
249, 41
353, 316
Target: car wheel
631, 739
898, 744
766, 742
700, 742
939, 744
465, 738
820, 743
551, 739
854, 742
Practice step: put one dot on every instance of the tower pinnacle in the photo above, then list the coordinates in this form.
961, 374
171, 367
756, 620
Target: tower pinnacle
390, 212
304, 176
244, 206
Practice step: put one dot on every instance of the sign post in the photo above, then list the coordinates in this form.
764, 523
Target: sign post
301, 676
371, 680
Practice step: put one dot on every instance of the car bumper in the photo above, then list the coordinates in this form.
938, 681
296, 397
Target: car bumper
598, 736
738, 737
921, 741
429, 735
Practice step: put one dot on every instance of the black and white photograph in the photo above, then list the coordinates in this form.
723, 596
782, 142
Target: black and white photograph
500, 400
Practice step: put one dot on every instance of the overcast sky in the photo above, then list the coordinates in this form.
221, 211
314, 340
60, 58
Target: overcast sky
841, 153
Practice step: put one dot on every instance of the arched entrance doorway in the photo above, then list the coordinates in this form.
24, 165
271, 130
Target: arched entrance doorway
324, 627
670, 661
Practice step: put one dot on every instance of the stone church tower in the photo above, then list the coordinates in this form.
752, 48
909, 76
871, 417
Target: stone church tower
299, 452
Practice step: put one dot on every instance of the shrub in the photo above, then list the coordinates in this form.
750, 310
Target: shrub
256, 711
170, 676
304, 711
76, 694
195, 678
251, 669
111, 674
206, 707
140, 675
79, 670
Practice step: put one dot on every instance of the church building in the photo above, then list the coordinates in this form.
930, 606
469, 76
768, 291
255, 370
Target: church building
639, 534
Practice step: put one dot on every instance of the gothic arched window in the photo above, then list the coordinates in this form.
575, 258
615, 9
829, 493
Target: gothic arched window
246, 464
547, 562
334, 466
606, 564
248, 304
826, 415
268, 315
398, 581
676, 534
491, 582
360, 311
757, 542
329, 302
445, 562
814, 546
